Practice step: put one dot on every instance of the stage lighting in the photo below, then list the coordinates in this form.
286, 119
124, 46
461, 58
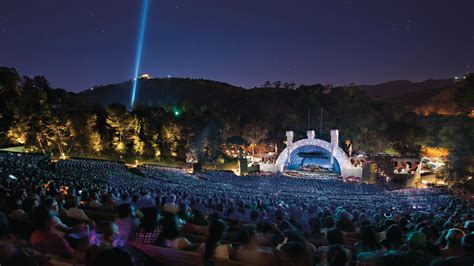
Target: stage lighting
138, 55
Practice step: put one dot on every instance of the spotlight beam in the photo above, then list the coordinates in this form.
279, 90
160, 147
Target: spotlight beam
138, 55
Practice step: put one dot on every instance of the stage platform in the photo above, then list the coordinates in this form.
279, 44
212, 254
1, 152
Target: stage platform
310, 175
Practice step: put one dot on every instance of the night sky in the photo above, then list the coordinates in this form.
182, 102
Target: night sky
77, 44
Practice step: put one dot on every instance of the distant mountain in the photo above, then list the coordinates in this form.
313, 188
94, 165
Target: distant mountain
433, 96
429, 101
163, 91
401, 87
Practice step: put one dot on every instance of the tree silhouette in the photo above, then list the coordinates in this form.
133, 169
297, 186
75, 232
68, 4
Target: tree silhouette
464, 95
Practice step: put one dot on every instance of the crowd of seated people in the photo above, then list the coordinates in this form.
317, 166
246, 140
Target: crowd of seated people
316, 169
352, 179
309, 175
95, 212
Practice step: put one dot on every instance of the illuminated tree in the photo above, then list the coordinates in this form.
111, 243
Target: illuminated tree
151, 136
135, 132
457, 138
117, 120
18, 133
59, 132
94, 138
171, 137
156, 146
138, 145
254, 133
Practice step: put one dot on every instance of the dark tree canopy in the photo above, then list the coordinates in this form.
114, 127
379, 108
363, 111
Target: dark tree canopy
183, 115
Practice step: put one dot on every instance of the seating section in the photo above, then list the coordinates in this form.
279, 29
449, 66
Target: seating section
289, 219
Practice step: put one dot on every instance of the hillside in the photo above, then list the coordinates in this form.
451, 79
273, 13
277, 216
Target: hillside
213, 113
400, 87
431, 101
433, 96
163, 91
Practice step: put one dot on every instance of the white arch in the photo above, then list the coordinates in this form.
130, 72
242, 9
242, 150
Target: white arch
339, 155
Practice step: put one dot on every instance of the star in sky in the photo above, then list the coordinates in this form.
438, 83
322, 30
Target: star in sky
408, 27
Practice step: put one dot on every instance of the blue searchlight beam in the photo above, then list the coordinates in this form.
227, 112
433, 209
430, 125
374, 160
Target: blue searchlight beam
138, 58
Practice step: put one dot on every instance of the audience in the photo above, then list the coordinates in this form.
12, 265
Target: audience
453, 243
368, 240
107, 231
467, 256
213, 248
59, 227
250, 252
252, 219
335, 253
77, 213
416, 254
149, 228
170, 236
126, 223
44, 240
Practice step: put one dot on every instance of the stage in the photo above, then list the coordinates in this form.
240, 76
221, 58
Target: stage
310, 175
